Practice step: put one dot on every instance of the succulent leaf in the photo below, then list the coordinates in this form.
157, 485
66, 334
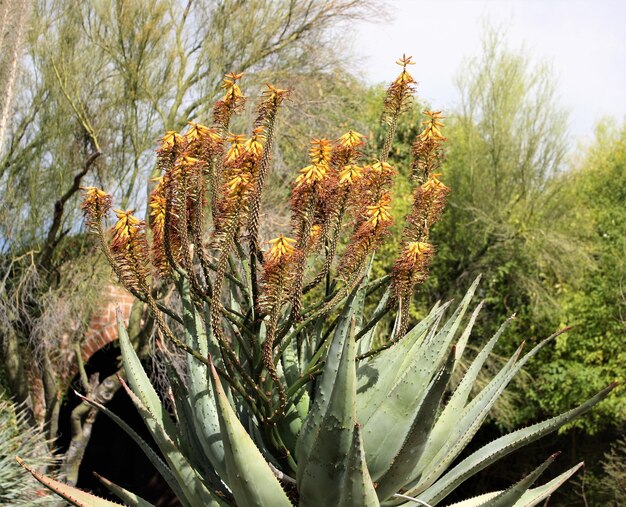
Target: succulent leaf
252, 481
154, 458
357, 487
205, 418
502, 446
376, 376
462, 342
364, 344
326, 437
195, 490
400, 470
515, 492
131, 499
530, 498
472, 417
73, 495
387, 429
189, 443
536, 495
449, 417
325, 386
359, 300
140, 382
476, 501
290, 425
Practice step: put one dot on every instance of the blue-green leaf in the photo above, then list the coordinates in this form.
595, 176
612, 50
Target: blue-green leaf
252, 481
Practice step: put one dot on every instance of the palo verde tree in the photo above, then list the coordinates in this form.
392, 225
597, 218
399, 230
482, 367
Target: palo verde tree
511, 218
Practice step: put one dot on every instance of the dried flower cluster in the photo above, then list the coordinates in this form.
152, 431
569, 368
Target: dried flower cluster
204, 221
400, 92
429, 198
96, 204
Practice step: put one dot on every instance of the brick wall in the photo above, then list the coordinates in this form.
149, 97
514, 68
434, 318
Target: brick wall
102, 328
101, 331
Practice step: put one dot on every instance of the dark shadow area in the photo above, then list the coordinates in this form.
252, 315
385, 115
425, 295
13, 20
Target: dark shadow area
111, 452
573, 446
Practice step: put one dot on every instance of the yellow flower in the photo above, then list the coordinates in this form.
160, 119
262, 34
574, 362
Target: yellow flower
198, 132
233, 92
282, 246
320, 151
171, 139
379, 212
350, 174
94, 193
238, 183
254, 145
405, 60
157, 210
316, 232
404, 78
274, 93
187, 161
126, 227
232, 77
351, 139
236, 146
311, 174
381, 167
433, 183
432, 126
126, 218
96, 204
414, 250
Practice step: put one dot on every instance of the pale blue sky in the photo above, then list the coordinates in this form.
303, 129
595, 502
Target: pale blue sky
585, 41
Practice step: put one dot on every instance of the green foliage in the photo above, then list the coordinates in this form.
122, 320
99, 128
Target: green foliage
510, 216
607, 485
593, 353
614, 465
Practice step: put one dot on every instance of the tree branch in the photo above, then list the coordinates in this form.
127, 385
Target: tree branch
59, 208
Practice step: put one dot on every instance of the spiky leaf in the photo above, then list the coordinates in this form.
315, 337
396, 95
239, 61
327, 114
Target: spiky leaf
252, 481
515, 492
205, 418
194, 488
401, 468
131, 499
357, 487
502, 446
73, 495
140, 382
154, 458
530, 498
326, 437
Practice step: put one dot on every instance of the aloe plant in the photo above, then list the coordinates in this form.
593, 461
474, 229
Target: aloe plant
294, 391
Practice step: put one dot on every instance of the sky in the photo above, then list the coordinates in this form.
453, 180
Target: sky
583, 41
